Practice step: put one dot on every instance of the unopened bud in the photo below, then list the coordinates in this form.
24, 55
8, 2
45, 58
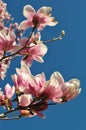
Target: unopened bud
63, 32
60, 38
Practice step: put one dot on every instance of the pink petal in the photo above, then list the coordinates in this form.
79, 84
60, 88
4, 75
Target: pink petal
8, 91
28, 11
39, 50
41, 115
25, 24
25, 99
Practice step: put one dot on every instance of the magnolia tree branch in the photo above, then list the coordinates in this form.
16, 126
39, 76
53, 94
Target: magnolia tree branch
30, 95
48, 41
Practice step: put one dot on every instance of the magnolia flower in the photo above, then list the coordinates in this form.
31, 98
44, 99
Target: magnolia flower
35, 90
23, 79
7, 40
35, 53
8, 94
57, 90
20, 81
52, 89
70, 89
38, 19
9, 91
25, 82
34, 49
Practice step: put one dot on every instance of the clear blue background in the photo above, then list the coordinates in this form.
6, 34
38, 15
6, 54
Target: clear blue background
67, 56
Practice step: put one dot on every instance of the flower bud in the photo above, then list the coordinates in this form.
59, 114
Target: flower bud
63, 32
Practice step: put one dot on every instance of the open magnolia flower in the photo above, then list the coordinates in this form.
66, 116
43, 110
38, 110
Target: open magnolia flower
33, 50
36, 52
38, 19
9, 91
7, 40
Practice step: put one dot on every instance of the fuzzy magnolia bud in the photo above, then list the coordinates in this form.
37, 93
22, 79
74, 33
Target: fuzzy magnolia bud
63, 32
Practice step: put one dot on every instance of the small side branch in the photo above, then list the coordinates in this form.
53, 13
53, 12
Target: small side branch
11, 118
57, 38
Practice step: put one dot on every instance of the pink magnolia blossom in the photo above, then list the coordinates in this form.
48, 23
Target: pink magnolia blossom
36, 89
52, 89
70, 89
9, 91
20, 81
38, 19
59, 91
34, 50
25, 82
23, 79
7, 40
35, 53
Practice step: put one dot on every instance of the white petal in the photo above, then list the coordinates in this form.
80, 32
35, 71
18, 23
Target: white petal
39, 59
76, 82
43, 49
57, 76
44, 10
28, 11
25, 68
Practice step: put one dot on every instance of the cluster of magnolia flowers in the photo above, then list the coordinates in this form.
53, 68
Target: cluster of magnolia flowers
29, 95
33, 94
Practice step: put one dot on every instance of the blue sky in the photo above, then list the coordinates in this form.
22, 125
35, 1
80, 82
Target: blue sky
66, 56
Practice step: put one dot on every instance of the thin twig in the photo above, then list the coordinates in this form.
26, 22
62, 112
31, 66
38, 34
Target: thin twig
11, 118
57, 38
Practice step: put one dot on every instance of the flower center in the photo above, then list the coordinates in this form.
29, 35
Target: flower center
35, 20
